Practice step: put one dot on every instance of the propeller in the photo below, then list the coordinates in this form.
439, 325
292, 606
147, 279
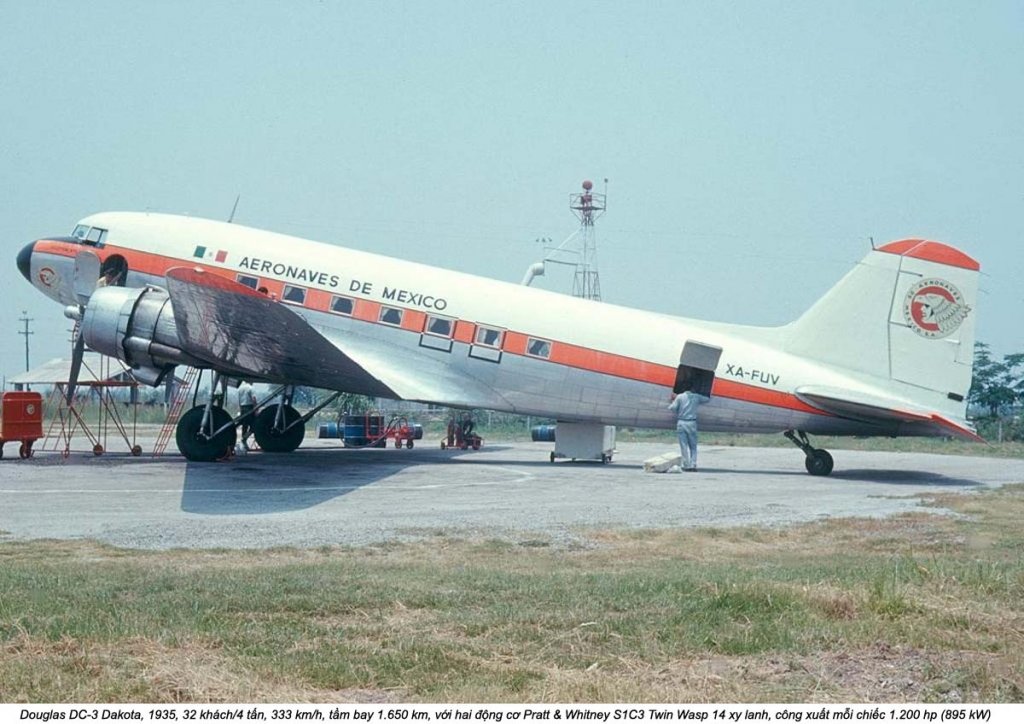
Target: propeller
87, 274
77, 353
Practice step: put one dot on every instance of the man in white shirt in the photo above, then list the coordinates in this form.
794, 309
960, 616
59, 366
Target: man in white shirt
247, 409
685, 405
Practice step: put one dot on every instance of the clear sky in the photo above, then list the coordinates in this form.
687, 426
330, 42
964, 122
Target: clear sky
752, 148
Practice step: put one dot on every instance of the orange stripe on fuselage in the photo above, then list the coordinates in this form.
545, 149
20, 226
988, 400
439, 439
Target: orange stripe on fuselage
562, 353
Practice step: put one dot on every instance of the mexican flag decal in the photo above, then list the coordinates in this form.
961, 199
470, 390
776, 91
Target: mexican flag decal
203, 252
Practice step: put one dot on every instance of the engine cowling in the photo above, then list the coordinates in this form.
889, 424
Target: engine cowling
137, 326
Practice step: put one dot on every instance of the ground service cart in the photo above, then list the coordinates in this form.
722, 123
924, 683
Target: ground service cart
21, 420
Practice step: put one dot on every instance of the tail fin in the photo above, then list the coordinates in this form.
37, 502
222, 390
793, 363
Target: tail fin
906, 314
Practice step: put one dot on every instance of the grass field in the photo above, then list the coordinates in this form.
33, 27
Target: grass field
917, 608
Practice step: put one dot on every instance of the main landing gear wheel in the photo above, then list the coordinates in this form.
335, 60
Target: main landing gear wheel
818, 461
281, 440
194, 442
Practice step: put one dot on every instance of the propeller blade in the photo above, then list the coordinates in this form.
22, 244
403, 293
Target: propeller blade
87, 273
76, 366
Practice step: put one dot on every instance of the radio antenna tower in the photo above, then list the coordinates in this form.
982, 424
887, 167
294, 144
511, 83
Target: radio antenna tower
579, 250
587, 207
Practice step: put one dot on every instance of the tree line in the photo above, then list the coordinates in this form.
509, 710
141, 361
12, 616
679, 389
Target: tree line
997, 394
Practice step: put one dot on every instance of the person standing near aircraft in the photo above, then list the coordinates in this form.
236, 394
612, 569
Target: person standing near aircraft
685, 405
247, 408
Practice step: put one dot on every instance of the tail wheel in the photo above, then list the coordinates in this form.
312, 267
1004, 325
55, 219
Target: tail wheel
819, 462
274, 440
198, 447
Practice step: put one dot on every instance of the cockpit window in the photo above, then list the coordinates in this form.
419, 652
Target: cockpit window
92, 235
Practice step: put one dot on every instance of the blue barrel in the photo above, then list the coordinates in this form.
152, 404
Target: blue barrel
355, 430
375, 428
417, 431
328, 430
543, 433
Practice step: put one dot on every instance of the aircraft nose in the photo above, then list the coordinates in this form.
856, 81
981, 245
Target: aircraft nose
25, 261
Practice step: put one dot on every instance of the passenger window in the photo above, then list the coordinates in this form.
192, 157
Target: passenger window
488, 336
248, 281
390, 315
342, 305
295, 295
439, 326
538, 348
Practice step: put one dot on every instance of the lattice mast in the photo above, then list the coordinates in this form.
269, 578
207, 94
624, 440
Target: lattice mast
588, 207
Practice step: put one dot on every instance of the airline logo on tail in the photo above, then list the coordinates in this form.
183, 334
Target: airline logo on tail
934, 308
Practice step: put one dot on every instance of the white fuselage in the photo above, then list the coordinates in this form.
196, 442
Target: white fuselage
553, 355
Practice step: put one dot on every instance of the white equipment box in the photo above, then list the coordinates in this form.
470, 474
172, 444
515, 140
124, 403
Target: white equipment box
584, 441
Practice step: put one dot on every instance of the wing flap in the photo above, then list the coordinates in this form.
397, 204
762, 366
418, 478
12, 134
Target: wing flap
883, 411
423, 378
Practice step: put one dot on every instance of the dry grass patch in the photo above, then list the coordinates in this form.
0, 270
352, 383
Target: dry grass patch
136, 669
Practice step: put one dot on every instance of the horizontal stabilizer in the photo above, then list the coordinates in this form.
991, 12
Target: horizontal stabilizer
882, 411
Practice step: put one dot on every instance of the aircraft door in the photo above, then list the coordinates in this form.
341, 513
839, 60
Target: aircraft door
114, 271
697, 365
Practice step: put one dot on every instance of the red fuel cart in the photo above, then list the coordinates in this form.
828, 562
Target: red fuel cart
21, 420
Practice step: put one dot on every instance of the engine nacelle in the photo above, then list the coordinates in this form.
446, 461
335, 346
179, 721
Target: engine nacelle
137, 326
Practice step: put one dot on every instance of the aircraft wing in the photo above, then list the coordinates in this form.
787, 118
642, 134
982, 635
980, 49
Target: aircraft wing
240, 331
243, 332
882, 411
424, 380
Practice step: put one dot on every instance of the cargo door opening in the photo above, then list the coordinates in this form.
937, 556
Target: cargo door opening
696, 370
114, 272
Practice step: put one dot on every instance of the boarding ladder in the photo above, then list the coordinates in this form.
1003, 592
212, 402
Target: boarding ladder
181, 395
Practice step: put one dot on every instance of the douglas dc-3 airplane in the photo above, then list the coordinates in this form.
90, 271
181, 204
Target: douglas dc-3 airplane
886, 352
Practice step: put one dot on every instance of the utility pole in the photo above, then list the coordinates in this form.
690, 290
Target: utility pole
26, 319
